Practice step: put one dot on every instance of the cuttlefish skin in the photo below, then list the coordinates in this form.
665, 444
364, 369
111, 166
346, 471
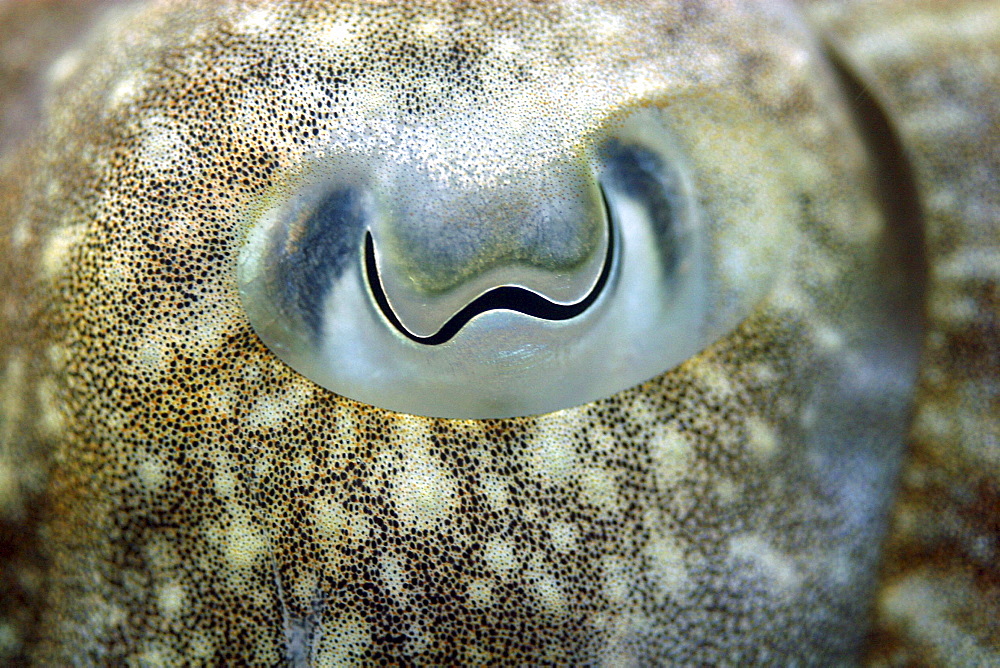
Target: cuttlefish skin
936, 69
184, 496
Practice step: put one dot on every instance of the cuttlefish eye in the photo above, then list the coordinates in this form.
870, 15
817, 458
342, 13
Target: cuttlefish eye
385, 282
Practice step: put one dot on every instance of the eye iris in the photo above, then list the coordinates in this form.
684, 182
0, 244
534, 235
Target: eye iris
510, 297
544, 291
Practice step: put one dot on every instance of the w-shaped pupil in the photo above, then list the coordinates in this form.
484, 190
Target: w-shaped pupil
508, 297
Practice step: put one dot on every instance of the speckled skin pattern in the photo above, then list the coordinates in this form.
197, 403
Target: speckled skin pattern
170, 492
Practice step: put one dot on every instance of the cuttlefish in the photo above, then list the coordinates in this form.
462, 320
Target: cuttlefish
510, 333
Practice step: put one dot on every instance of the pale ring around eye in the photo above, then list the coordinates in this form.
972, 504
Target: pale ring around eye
629, 302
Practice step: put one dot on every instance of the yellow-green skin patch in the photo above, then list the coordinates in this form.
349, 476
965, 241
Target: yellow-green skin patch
200, 501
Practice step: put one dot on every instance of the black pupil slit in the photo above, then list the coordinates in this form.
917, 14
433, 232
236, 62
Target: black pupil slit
510, 297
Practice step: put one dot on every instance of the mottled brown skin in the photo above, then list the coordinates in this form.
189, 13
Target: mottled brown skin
936, 69
172, 492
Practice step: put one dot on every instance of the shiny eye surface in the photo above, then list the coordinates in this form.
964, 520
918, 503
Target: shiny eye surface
410, 292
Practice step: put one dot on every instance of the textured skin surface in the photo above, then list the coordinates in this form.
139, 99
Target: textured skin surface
936, 68
171, 491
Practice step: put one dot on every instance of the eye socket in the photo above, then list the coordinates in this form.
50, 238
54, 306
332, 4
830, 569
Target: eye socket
628, 296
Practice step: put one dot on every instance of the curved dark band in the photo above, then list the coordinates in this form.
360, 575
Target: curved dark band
511, 297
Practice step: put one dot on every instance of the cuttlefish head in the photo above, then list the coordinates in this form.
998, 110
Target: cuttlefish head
657, 217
